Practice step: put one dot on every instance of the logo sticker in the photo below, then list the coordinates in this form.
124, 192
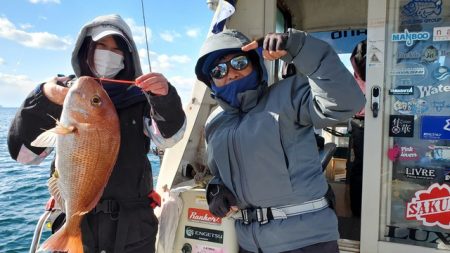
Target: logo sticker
203, 234
422, 8
420, 173
431, 206
435, 128
430, 54
441, 73
408, 55
441, 33
426, 91
410, 37
413, 106
201, 215
447, 174
403, 153
402, 90
207, 249
438, 106
408, 71
401, 125
439, 153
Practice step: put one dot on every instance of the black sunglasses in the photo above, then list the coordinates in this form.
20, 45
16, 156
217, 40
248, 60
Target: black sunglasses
220, 70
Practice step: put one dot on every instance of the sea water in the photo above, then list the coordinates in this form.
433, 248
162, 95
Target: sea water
24, 193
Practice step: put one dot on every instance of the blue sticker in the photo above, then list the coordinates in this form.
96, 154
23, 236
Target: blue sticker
412, 106
441, 73
410, 37
429, 90
435, 128
422, 8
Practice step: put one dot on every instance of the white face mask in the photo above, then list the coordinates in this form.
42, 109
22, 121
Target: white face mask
107, 63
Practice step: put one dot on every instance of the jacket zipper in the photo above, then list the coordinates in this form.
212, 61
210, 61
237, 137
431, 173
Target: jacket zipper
235, 147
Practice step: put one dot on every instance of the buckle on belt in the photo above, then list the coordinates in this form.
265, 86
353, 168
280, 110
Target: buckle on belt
260, 214
107, 206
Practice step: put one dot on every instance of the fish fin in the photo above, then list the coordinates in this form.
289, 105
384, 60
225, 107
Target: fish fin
64, 241
60, 129
54, 190
48, 138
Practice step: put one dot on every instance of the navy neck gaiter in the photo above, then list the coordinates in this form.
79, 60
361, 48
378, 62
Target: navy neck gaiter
123, 95
230, 91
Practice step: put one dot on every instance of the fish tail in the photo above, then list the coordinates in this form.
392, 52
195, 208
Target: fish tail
64, 241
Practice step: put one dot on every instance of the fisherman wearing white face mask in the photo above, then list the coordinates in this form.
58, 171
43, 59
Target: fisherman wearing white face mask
123, 220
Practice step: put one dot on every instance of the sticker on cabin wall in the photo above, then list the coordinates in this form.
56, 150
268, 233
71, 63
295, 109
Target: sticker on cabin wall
431, 207
403, 153
422, 11
430, 54
429, 90
402, 90
401, 125
408, 55
447, 175
438, 153
417, 235
441, 73
417, 71
207, 249
375, 55
435, 128
413, 106
410, 37
439, 106
203, 234
420, 173
441, 33
204, 216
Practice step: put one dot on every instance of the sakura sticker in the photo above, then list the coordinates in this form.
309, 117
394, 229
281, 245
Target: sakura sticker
431, 207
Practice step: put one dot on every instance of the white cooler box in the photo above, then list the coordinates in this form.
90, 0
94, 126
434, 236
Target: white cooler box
199, 231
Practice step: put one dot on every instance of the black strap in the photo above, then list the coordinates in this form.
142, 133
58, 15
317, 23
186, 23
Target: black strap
126, 211
107, 206
121, 210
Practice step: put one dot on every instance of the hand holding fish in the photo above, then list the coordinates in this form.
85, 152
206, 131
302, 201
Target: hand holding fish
155, 83
54, 92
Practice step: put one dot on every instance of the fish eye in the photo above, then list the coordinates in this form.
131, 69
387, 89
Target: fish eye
96, 101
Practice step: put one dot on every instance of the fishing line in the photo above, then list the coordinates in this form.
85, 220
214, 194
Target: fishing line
146, 44
145, 32
115, 80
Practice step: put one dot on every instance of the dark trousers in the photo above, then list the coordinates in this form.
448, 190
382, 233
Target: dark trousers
355, 167
323, 247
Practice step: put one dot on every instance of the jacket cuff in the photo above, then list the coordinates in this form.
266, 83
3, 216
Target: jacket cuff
167, 112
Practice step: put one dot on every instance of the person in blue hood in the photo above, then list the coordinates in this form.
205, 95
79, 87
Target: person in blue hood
261, 149
123, 220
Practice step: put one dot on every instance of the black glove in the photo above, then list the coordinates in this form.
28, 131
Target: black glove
220, 199
275, 41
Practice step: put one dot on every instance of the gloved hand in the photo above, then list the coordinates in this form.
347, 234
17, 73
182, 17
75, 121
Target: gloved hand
220, 199
275, 41
273, 45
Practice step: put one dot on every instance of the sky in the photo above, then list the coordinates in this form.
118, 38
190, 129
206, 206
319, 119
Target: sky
37, 38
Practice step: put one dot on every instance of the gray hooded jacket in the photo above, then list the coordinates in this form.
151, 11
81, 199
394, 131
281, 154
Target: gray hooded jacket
265, 152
